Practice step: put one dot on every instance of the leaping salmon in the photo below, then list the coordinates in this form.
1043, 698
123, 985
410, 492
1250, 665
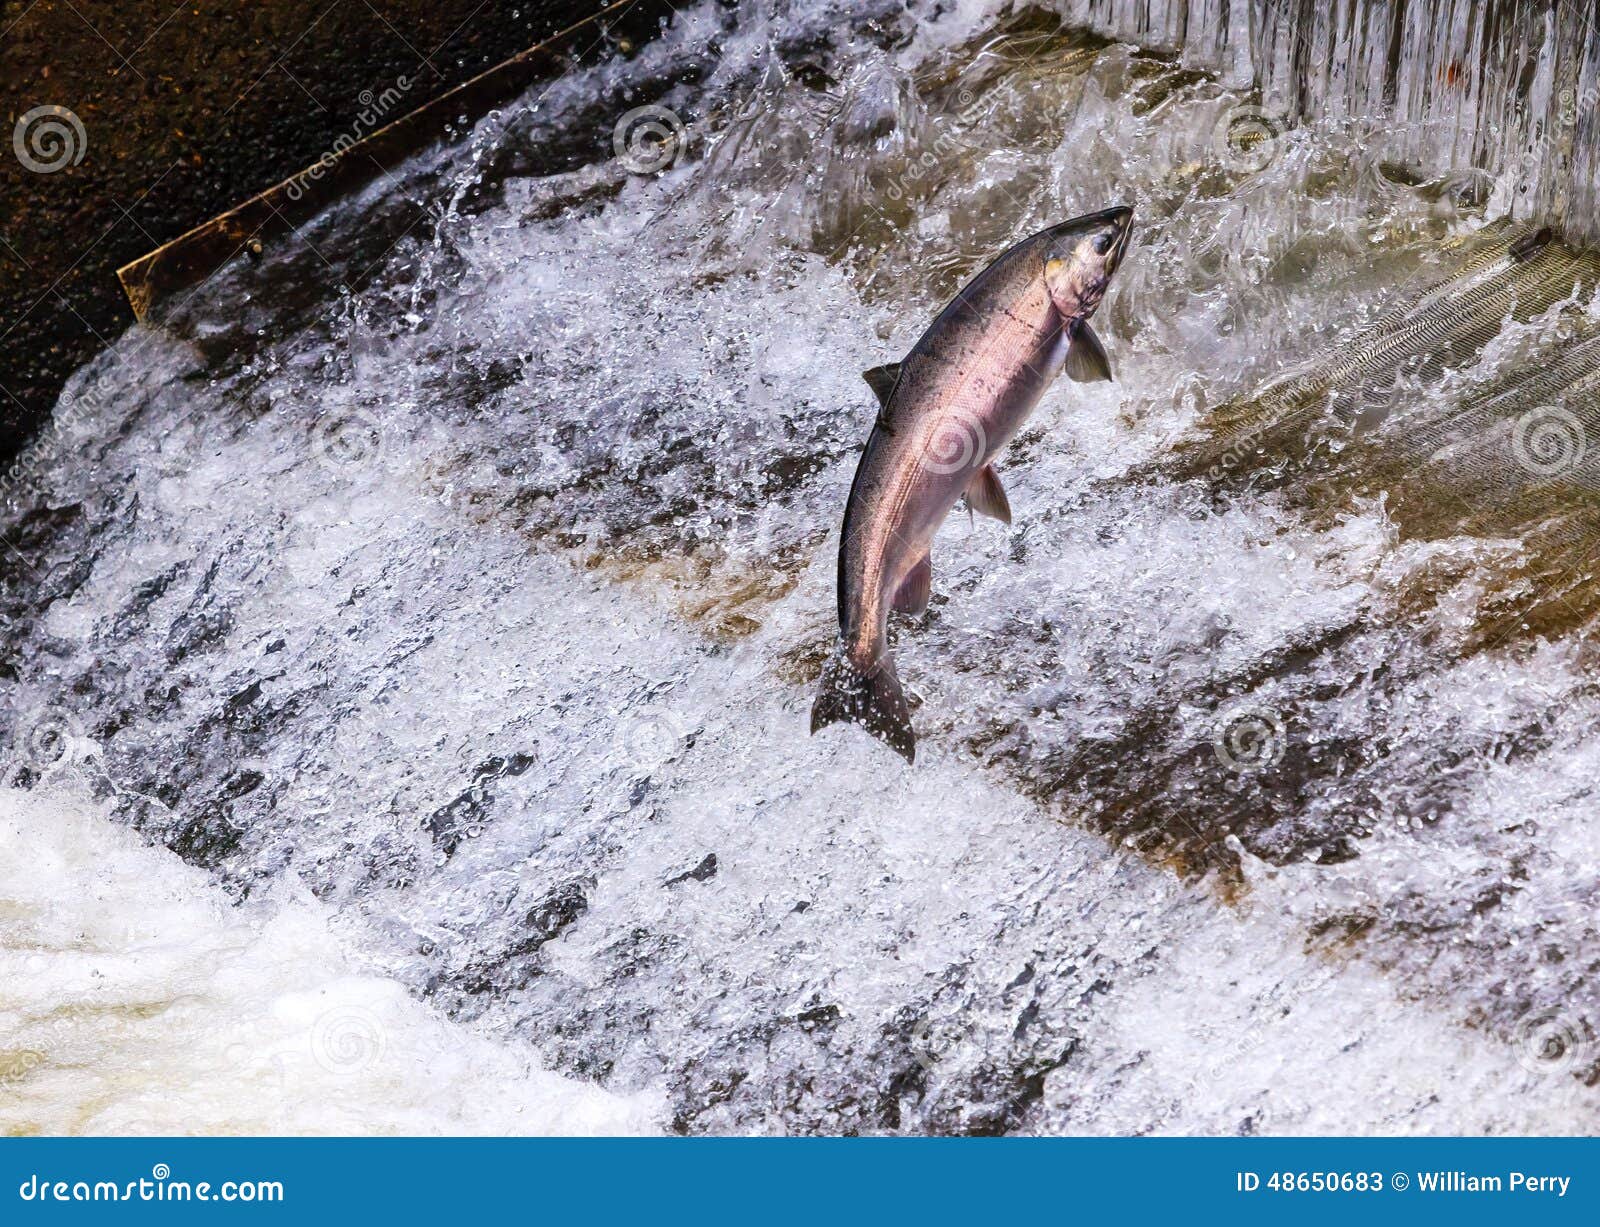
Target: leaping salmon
946, 411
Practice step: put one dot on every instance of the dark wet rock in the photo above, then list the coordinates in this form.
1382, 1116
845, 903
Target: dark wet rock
818, 1018
183, 155
241, 784
466, 816
521, 961
135, 614
204, 623
703, 872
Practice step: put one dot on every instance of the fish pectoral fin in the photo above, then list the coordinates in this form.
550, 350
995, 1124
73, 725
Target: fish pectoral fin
1086, 357
912, 595
881, 379
987, 496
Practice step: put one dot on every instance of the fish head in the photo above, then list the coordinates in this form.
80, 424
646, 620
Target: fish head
1080, 257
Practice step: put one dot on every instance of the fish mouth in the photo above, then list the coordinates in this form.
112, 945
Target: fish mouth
1122, 218
1115, 223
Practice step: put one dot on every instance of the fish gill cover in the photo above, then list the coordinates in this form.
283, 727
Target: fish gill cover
469, 565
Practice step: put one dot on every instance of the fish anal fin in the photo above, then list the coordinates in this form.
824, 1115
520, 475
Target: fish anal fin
1086, 357
912, 595
881, 379
987, 496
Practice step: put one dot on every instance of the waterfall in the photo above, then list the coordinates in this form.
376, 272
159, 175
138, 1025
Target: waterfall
1504, 88
447, 591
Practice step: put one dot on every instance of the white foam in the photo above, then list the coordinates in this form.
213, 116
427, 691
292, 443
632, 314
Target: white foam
134, 1000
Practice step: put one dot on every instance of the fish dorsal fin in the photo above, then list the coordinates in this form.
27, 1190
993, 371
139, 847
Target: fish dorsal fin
987, 496
881, 379
911, 597
1086, 357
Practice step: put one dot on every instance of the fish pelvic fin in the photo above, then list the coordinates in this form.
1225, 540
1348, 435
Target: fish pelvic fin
987, 496
912, 595
1086, 357
870, 697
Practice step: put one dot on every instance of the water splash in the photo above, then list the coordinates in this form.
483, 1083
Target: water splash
469, 562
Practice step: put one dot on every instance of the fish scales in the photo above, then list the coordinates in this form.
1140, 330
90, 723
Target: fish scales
946, 411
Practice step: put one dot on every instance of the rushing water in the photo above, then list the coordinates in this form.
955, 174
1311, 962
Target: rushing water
449, 591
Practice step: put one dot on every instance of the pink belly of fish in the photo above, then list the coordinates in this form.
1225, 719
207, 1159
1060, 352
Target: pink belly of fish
969, 434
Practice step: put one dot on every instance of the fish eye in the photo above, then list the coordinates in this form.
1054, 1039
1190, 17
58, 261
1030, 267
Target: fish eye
1102, 242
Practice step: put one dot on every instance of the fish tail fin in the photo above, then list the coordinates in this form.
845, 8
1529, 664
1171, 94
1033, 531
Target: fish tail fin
869, 696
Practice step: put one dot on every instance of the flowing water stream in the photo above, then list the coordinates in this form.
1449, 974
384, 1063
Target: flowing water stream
413, 637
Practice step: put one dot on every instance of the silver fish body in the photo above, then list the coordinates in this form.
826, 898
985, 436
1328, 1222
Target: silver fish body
947, 410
